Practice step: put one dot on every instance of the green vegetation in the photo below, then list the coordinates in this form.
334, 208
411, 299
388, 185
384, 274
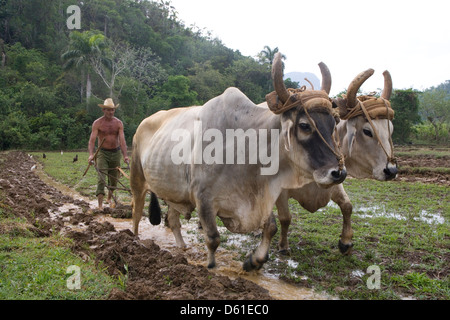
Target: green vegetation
435, 111
407, 240
406, 106
143, 56
137, 52
37, 268
62, 168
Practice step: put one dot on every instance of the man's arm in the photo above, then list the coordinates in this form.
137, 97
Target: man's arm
92, 138
123, 143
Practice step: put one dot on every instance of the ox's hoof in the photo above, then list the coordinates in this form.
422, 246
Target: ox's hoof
345, 249
285, 252
249, 265
211, 262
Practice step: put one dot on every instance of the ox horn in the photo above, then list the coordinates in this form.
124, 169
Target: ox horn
277, 76
326, 77
355, 85
387, 91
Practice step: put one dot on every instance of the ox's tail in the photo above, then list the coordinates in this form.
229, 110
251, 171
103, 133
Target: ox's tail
154, 210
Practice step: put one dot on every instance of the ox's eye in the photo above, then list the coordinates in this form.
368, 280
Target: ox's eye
304, 126
367, 132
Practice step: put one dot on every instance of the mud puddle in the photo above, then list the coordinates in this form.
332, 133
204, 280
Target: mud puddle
227, 264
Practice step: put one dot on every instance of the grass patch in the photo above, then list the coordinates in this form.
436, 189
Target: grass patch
62, 168
441, 152
401, 228
424, 170
36, 268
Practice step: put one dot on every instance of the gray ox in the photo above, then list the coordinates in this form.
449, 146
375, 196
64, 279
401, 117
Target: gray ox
239, 193
367, 147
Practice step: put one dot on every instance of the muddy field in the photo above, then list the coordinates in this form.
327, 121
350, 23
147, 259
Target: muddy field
408, 173
152, 272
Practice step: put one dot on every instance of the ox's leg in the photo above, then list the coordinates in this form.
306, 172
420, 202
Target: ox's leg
138, 187
212, 238
285, 220
261, 254
342, 200
173, 219
138, 208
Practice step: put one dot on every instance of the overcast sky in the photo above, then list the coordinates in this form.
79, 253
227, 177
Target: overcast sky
409, 38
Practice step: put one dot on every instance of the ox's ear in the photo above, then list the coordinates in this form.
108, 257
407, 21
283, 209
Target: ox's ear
351, 134
286, 130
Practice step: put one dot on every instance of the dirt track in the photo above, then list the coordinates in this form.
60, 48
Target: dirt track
152, 273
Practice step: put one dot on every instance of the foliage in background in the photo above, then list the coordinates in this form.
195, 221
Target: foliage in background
434, 110
141, 54
406, 106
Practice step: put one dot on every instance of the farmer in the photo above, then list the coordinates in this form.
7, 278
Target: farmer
109, 129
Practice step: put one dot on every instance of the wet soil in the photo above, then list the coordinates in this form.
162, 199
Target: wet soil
151, 272
420, 169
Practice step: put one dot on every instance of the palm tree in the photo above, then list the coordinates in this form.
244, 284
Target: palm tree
267, 55
84, 49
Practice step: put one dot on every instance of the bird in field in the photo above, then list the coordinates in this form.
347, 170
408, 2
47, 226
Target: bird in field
75, 159
44, 156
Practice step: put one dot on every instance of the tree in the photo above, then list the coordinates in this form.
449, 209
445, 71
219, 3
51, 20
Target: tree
267, 55
289, 83
84, 50
252, 78
406, 106
14, 131
208, 82
138, 63
118, 61
435, 107
175, 93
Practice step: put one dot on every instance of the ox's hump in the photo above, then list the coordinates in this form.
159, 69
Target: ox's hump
232, 99
233, 109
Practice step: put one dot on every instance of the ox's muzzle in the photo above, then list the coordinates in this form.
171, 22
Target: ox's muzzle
391, 170
329, 177
338, 176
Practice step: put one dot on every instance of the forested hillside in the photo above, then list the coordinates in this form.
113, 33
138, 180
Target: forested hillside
52, 77
136, 51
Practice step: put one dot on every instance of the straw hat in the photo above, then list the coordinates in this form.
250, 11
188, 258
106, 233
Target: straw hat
109, 103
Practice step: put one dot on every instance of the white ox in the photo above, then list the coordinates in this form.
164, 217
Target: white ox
362, 145
239, 193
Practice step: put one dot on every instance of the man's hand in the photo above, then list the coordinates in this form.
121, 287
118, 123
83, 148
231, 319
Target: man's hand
91, 159
126, 160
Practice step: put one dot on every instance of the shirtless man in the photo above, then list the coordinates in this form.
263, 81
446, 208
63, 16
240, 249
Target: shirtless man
109, 128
